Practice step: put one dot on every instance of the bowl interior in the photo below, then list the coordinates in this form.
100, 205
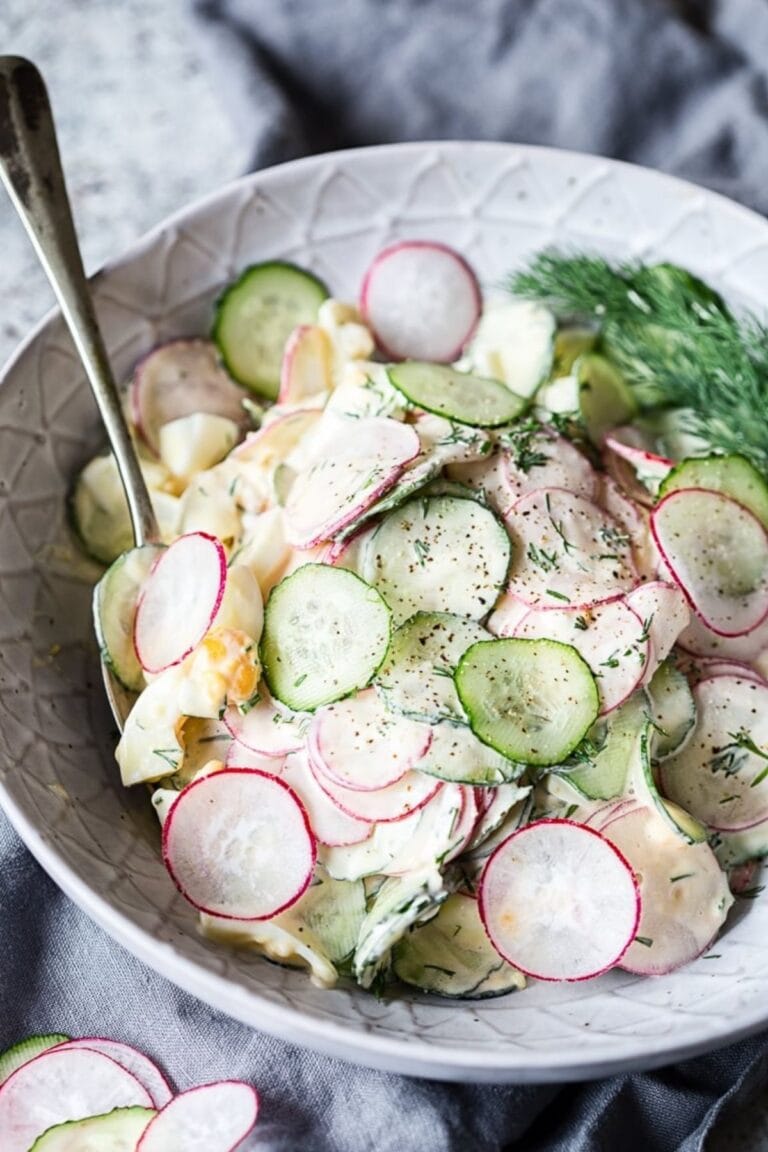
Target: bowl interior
58, 780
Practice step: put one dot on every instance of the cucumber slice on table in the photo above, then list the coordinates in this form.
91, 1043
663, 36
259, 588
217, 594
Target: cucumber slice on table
255, 316
460, 396
531, 700
439, 553
451, 955
26, 1050
114, 612
734, 476
116, 1131
325, 634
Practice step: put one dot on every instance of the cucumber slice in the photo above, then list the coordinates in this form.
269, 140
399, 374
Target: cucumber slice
452, 956
255, 316
114, 612
412, 558
416, 678
400, 903
604, 772
116, 1131
475, 400
26, 1050
672, 708
326, 633
605, 399
734, 476
531, 700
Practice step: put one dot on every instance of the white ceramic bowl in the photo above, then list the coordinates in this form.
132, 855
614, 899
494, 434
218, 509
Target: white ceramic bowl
58, 782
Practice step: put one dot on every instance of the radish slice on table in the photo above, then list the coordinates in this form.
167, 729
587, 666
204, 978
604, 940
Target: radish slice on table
146, 1072
359, 744
353, 464
567, 552
717, 552
665, 614
412, 791
684, 893
331, 826
422, 301
610, 637
238, 844
62, 1085
719, 775
179, 601
559, 902
211, 1118
267, 729
178, 379
307, 365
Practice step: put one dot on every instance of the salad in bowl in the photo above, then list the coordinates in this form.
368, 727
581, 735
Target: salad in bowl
449, 668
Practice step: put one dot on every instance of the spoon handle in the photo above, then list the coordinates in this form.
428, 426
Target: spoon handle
30, 168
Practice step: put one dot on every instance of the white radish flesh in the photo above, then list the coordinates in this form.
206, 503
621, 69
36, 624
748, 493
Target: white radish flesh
717, 552
59, 1086
566, 551
684, 893
422, 301
717, 776
179, 601
211, 1118
178, 379
238, 844
146, 1072
359, 744
610, 637
559, 901
354, 464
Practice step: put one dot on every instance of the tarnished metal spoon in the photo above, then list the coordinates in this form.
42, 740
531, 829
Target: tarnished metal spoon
30, 168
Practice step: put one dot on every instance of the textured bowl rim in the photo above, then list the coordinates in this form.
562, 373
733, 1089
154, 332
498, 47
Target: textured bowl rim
447, 1061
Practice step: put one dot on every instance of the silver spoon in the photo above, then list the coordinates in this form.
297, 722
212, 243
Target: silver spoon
30, 168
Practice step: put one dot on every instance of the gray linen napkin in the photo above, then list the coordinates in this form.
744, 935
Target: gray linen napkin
680, 87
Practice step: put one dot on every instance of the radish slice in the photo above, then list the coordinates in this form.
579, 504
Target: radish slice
568, 551
715, 776
177, 379
307, 365
354, 463
179, 601
62, 1085
331, 826
717, 552
146, 1072
359, 744
664, 611
545, 460
267, 729
211, 1118
412, 791
684, 894
238, 844
610, 637
558, 901
422, 301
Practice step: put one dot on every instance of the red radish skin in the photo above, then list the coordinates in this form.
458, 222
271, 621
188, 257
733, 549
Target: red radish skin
188, 554
179, 378
613, 856
140, 1066
658, 534
395, 289
61, 1085
211, 1118
185, 861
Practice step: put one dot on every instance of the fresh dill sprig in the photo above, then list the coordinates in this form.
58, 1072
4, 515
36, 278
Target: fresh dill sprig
673, 338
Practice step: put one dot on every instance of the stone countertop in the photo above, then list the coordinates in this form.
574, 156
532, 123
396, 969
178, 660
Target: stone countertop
142, 133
